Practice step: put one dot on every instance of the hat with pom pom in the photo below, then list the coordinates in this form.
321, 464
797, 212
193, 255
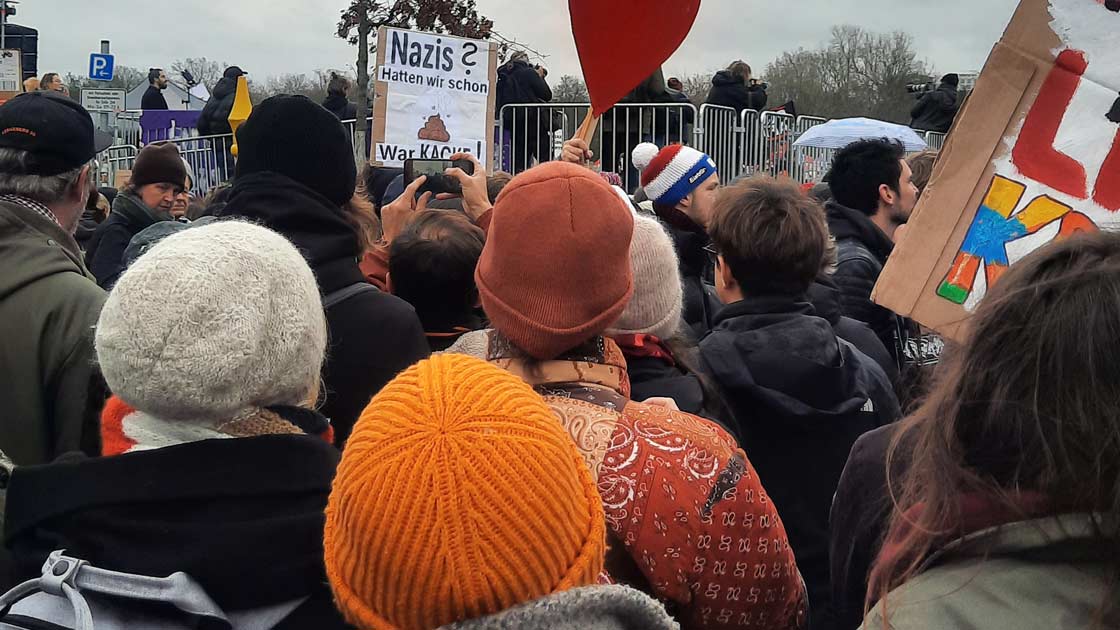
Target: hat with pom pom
671, 174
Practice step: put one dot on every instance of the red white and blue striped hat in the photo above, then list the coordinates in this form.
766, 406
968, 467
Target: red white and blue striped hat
671, 174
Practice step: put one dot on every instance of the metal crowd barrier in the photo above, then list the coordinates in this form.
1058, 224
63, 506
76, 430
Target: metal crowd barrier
208, 156
533, 133
935, 140
719, 134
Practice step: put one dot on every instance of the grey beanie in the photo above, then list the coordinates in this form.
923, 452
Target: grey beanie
655, 307
213, 321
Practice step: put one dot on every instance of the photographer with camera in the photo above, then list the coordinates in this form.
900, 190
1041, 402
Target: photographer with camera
736, 88
936, 108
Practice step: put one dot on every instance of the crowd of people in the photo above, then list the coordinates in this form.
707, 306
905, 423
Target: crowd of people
323, 399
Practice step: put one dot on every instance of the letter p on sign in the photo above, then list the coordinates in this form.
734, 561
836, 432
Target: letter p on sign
101, 67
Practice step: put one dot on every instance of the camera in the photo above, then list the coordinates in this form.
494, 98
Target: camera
920, 88
760, 84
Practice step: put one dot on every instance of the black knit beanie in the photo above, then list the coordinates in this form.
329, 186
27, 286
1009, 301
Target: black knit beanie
295, 137
159, 164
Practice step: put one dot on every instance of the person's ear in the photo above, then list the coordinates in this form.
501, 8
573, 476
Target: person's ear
685, 203
887, 196
724, 277
83, 188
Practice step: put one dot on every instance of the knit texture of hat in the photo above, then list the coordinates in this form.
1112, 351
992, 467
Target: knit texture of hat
296, 137
213, 321
459, 495
671, 174
159, 164
655, 308
555, 270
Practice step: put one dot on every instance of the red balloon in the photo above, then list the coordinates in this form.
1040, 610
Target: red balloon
622, 42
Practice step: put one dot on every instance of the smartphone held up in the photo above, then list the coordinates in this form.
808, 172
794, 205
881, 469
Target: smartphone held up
438, 182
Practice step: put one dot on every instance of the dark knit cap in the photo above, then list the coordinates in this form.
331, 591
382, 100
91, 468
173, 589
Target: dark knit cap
159, 164
295, 137
951, 79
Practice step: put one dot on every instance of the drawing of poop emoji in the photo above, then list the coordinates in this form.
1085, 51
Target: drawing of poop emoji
434, 130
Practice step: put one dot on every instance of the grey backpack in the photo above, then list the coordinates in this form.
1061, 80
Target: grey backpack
73, 595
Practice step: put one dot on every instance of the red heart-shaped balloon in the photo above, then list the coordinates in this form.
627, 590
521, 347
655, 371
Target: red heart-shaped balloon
622, 42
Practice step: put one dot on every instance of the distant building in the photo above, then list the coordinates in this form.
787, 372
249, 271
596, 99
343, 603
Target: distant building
968, 81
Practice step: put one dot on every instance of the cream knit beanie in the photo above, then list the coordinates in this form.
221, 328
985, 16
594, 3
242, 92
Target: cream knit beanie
655, 308
213, 321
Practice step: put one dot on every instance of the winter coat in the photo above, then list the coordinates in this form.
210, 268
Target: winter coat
588, 608
340, 107
656, 371
697, 273
1040, 574
214, 119
105, 255
520, 84
87, 225
49, 305
686, 515
936, 110
860, 516
729, 90
373, 335
153, 99
801, 397
243, 517
825, 297
862, 251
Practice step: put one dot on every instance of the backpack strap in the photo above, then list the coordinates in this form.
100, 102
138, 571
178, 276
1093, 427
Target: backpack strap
71, 578
345, 293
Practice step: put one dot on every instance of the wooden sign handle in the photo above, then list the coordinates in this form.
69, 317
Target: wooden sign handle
587, 129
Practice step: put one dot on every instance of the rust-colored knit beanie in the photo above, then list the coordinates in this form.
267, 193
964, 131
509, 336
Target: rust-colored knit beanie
458, 496
555, 271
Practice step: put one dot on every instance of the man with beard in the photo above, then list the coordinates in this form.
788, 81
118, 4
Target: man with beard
872, 196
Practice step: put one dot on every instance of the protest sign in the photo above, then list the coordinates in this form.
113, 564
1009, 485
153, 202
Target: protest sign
1033, 157
11, 74
615, 60
434, 97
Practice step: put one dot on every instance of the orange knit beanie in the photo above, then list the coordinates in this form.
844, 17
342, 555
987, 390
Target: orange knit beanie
459, 495
555, 271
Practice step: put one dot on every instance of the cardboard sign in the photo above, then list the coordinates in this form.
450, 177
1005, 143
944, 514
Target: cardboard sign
435, 97
1034, 157
109, 101
11, 74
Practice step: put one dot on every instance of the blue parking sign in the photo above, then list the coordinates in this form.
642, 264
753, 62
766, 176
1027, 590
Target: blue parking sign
101, 67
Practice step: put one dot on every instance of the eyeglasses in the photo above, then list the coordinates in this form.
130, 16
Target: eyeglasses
713, 254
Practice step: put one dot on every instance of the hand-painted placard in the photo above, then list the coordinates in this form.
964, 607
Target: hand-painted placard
434, 97
1033, 158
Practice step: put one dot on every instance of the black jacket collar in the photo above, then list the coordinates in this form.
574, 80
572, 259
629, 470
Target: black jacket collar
316, 227
243, 516
847, 223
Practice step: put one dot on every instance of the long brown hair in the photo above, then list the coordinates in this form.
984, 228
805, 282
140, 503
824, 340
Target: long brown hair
1029, 406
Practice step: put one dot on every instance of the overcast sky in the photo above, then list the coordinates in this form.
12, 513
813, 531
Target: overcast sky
270, 37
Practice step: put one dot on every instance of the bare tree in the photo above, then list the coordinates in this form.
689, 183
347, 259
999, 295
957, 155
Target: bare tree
570, 89
203, 70
857, 73
124, 77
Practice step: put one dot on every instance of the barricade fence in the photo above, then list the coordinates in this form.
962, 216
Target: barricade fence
741, 143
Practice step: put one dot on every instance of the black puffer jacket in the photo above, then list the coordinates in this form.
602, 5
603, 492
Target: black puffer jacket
214, 119
863, 250
339, 106
825, 297
729, 90
936, 110
801, 398
243, 517
697, 274
105, 254
373, 335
